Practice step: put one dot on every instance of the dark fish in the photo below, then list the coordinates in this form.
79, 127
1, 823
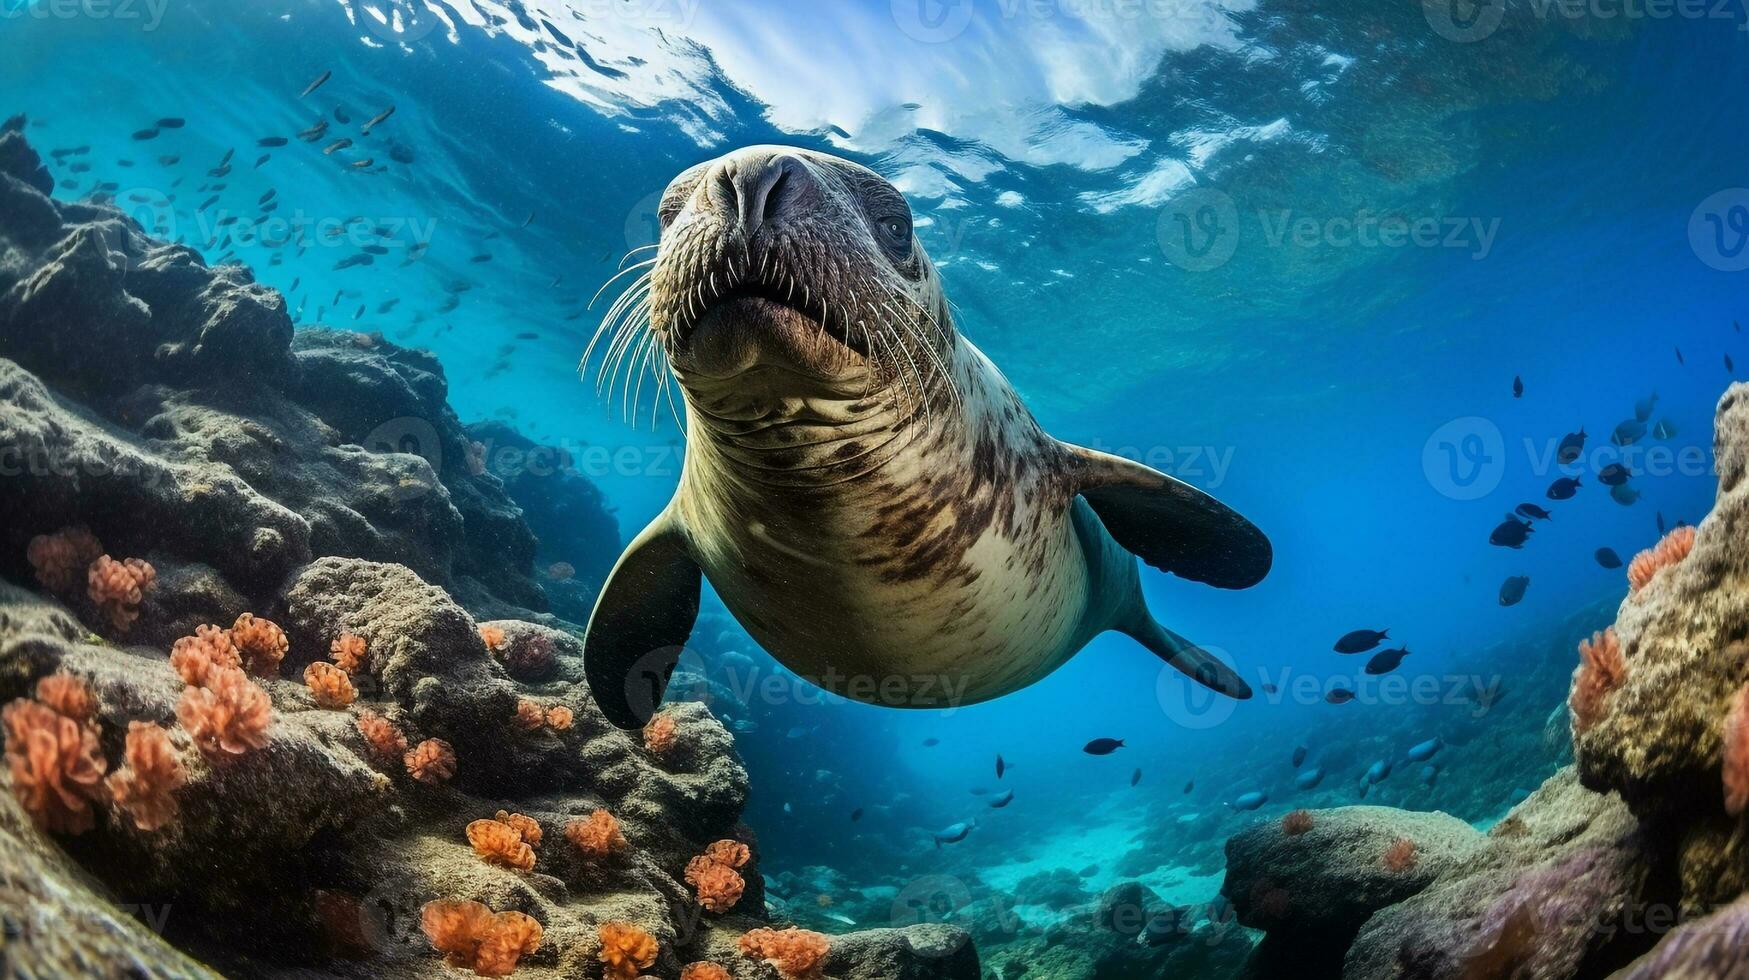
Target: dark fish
1001, 767
377, 120
482, 258
1608, 558
856, 815
1135, 777
1423, 751
341, 115
336, 146
528, 220
262, 159
1512, 590
1665, 429
1628, 432
169, 161
172, 122
1564, 488
1613, 475
263, 199
1249, 801
930, 743
1378, 772
1339, 695
1625, 495
955, 833
315, 132
1512, 532
271, 142
320, 79
1299, 756
1533, 511
1572, 447
1644, 407
1102, 746
1679, 359
1360, 641
1660, 524
1191, 785
1384, 663
146, 134
1310, 778
1517, 387
1002, 801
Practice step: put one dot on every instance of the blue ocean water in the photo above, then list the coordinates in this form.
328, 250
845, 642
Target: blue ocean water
1294, 254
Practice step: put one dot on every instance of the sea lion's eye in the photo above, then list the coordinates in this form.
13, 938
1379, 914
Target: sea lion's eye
895, 233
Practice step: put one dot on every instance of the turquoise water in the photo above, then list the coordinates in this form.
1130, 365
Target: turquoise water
1566, 205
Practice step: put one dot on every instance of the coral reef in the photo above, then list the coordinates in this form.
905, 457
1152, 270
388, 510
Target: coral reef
626, 950
146, 785
117, 588
330, 686
1601, 670
228, 716
796, 954
472, 936
1647, 564
56, 766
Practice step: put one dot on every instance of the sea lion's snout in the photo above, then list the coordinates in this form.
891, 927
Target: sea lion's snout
760, 190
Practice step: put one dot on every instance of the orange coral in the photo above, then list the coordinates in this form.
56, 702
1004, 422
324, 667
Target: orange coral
717, 886
492, 636
626, 950
1675, 547
229, 716
329, 685
118, 588
559, 718
146, 785
348, 652
194, 658
523, 825
68, 696
529, 715
262, 644
1296, 823
597, 835
500, 843
471, 936
704, 971
660, 734
730, 852
385, 740
1401, 856
60, 559
1736, 765
431, 761
796, 954
1601, 670
57, 767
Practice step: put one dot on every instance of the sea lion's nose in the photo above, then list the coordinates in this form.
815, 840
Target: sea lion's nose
758, 188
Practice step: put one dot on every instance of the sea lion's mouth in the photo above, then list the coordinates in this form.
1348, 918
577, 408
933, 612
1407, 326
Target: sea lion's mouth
765, 306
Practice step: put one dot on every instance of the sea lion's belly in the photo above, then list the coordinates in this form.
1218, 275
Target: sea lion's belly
905, 593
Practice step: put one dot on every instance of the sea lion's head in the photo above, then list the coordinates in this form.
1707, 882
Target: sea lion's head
785, 275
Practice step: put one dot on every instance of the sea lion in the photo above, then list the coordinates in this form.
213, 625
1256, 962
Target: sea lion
861, 486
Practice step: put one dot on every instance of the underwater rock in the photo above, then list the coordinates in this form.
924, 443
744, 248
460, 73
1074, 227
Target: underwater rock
1554, 887
1311, 892
1708, 948
1659, 739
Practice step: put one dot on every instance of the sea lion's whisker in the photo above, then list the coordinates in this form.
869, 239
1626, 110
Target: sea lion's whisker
624, 313
617, 276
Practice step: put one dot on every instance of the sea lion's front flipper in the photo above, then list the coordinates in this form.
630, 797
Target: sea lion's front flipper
641, 621
1199, 664
1170, 524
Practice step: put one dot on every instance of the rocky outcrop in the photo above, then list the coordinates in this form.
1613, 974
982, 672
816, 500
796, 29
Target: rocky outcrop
1311, 892
1556, 889
1659, 737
